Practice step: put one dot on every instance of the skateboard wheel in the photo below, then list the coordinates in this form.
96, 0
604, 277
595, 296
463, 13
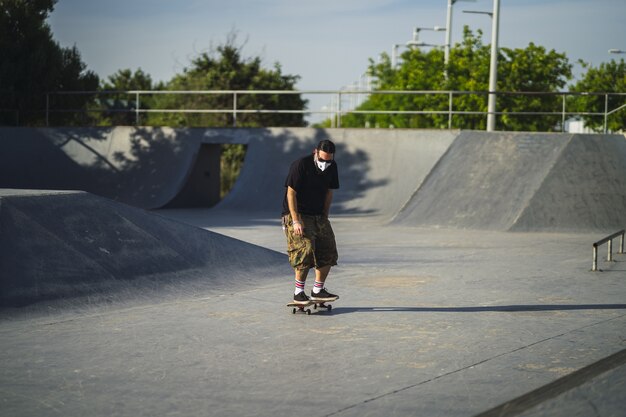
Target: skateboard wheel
315, 306
329, 307
293, 311
308, 311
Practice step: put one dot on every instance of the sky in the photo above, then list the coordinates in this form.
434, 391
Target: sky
328, 43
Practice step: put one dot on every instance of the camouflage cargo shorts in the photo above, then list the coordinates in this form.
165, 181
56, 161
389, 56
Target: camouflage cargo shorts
316, 248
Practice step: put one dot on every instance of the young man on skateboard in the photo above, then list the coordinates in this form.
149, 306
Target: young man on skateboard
310, 239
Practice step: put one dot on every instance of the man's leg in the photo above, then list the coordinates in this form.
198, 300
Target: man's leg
301, 257
319, 292
325, 254
321, 274
301, 275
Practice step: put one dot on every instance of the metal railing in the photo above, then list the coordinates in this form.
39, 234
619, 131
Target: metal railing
609, 240
338, 109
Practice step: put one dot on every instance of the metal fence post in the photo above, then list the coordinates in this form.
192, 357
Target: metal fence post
563, 116
137, 108
339, 109
234, 109
606, 111
450, 94
47, 109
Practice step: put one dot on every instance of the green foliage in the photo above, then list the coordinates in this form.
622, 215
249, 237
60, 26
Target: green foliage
468, 71
420, 71
225, 68
127, 80
530, 69
119, 108
607, 78
32, 64
231, 162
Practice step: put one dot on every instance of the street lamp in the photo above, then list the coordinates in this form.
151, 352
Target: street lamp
446, 54
418, 44
417, 31
490, 14
493, 65
413, 42
394, 54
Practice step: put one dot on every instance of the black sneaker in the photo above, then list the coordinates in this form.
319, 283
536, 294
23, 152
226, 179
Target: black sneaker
301, 298
323, 295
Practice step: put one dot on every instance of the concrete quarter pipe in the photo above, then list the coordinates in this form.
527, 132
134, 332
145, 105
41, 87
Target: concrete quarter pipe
524, 182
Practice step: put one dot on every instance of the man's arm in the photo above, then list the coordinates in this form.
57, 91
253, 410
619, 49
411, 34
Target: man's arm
327, 202
292, 201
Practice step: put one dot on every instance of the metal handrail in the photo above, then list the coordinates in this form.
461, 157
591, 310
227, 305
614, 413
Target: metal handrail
339, 111
609, 240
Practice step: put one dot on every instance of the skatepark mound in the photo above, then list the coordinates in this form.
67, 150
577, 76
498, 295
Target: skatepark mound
69, 245
524, 182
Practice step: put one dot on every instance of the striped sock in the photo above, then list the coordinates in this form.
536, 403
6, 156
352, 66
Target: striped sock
317, 287
299, 287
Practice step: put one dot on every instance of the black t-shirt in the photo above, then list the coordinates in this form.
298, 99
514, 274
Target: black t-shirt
311, 185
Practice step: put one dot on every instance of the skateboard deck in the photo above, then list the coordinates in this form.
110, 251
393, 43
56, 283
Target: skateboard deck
302, 307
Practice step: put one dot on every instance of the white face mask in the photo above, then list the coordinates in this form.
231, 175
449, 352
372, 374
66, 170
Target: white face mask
322, 165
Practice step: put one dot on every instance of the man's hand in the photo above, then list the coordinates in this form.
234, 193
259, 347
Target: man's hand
298, 229
292, 201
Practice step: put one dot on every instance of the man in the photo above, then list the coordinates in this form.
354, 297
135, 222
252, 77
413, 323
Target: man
310, 239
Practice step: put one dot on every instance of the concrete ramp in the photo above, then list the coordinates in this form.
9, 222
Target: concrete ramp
459, 179
143, 167
379, 169
382, 169
59, 245
163, 167
524, 181
584, 190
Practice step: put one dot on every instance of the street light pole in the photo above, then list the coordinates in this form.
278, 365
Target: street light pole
446, 52
418, 44
394, 54
493, 68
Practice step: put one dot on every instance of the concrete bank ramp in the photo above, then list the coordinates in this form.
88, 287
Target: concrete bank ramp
525, 182
58, 245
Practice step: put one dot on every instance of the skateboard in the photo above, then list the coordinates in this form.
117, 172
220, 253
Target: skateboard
302, 308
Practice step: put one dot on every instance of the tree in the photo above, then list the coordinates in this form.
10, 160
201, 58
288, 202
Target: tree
532, 69
468, 70
32, 64
607, 78
121, 106
224, 68
529, 70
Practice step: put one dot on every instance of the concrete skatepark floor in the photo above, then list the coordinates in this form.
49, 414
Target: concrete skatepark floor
431, 322
464, 276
